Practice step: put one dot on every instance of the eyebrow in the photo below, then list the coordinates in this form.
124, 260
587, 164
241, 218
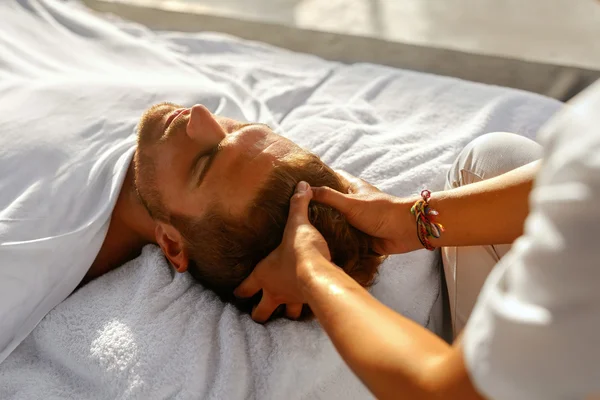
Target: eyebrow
211, 156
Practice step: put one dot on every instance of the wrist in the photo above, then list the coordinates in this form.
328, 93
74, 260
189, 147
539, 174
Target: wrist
313, 273
424, 211
406, 226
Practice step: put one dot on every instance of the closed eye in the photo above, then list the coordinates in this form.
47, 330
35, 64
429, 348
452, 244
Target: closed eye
203, 162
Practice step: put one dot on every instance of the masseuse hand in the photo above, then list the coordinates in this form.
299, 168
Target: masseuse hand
279, 273
385, 217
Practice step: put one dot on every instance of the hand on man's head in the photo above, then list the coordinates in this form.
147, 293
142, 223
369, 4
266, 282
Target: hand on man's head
279, 274
385, 217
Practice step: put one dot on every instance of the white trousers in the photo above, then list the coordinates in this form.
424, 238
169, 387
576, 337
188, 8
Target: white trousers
466, 268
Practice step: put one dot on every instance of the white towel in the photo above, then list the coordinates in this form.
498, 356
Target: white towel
144, 332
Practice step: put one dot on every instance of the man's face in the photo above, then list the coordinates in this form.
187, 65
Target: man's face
201, 159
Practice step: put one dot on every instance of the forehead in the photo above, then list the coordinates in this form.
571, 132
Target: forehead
243, 167
245, 161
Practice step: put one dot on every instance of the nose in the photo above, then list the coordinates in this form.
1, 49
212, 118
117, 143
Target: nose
202, 125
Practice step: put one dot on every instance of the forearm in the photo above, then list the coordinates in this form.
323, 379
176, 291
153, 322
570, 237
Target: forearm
487, 212
392, 355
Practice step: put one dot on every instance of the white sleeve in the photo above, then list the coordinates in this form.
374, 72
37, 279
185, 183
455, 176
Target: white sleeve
535, 331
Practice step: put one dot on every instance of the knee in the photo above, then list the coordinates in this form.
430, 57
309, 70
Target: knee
500, 145
491, 155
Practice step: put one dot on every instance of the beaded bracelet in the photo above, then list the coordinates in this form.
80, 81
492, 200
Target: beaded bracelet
426, 226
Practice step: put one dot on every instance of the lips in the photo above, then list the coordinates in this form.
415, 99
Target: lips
174, 114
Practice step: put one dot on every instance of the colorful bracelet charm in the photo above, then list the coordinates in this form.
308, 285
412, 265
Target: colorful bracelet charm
426, 226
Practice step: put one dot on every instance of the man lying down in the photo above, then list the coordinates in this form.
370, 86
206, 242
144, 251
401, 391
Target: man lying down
212, 192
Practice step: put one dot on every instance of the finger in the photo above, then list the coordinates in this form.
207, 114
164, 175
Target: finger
349, 177
293, 311
333, 198
248, 288
357, 185
299, 204
352, 186
265, 308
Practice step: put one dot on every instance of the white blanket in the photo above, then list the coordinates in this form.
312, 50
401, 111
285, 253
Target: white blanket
143, 332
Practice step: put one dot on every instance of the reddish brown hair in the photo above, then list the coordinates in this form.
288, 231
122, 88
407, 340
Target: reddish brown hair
224, 251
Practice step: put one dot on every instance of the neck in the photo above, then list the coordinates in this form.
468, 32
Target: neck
132, 215
130, 229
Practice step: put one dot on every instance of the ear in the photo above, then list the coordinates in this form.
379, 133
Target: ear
171, 242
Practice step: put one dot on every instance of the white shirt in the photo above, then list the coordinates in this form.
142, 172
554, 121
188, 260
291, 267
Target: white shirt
63, 158
535, 331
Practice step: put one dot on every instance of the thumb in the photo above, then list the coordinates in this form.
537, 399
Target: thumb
299, 204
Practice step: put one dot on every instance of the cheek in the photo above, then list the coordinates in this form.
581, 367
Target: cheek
237, 189
235, 178
167, 162
171, 172
173, 159
227, 190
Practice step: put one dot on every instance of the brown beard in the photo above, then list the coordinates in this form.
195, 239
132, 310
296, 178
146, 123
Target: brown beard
149, 131
150, 135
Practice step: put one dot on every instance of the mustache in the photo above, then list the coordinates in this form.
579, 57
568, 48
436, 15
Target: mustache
148, 129
177, 125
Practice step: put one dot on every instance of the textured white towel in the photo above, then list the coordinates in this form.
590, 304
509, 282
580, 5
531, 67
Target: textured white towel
143, 332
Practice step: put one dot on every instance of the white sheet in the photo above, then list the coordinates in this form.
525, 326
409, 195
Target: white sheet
142, 332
